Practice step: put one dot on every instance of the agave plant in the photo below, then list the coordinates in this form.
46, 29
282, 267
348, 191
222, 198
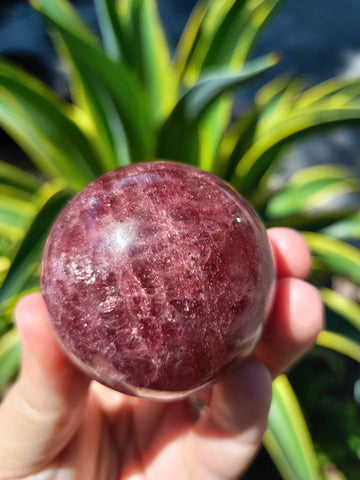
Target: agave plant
132, 101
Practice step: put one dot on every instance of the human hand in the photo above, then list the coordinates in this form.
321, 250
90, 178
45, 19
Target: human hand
55, 423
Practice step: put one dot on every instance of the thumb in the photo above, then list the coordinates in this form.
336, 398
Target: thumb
42, 411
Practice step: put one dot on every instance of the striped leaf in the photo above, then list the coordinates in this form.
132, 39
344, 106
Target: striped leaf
344, 307
127, 96
224, 34
287, 114
339, 90
111, 32
236, 142
140, 22
332, 181
28, 254
10, 355
320, 172
313, 196
309, 221
38, 121
276, 101
66, 15
287, 438
239, 32
339, 257
14, 211
258, 158
8, 306
18, 178
339, 343
189, 39
179, 137
98, 116
345, 229
221, 33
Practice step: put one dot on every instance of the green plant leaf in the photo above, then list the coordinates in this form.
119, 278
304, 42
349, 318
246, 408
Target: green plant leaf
189, 38
276, 101
14, 211
211, 132
126, 92
259, 158
18, 178
111, 33
339, 90
272, 93
226, 32
339, 343
150, 55
27, 109
178, 138
345, 229
29, 252
312, 221
238, 32
281, 105
221, 33
236, 141
211, 15
287, 438
106, 127
339, 257
97, 116
10, 233
8, 306
10, 355
301, 178
66, 15
312, 196
327, 171
4, 264
348, 309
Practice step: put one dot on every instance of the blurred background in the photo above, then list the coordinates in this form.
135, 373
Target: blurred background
316, 41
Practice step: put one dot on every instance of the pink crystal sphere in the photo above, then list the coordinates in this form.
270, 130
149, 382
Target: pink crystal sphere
156, 277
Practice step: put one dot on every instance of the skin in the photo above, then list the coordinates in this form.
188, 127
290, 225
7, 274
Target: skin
56, 424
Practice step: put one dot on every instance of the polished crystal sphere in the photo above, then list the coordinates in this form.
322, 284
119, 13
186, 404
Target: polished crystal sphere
156, 277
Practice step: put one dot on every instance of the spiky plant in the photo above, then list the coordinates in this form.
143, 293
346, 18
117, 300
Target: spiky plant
132, 102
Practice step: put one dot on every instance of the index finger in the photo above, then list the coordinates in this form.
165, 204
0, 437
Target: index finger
291, 254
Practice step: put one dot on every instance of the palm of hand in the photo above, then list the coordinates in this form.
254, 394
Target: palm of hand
53, 425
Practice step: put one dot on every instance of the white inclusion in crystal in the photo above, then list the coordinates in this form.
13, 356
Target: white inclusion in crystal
108, 305
134, 333
238, 219
82, 270
110, 350
123, 235
85, 324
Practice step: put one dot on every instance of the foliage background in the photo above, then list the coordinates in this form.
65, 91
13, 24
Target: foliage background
316, 40
328, 398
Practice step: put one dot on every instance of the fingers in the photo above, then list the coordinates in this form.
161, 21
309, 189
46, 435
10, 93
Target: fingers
291, 253
297, 314
227, 436
295, 322
42, 411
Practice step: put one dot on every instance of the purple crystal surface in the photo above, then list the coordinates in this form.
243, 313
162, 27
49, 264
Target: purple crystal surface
156, 278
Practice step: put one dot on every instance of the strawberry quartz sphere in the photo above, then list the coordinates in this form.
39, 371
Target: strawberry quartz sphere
156, 277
